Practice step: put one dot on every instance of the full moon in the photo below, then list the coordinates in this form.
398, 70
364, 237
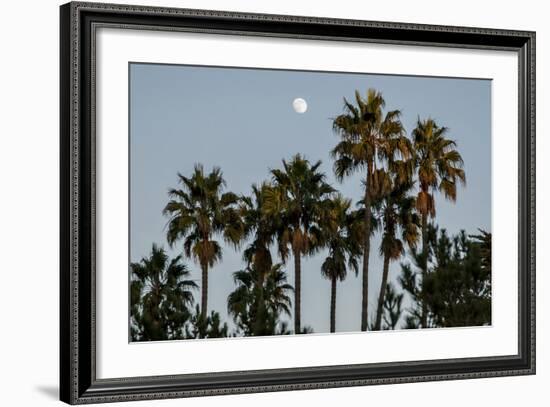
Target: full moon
299, 105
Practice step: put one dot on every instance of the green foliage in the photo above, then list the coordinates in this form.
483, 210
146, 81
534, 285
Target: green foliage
160, 295
367, 137
370, 142
259, 300
199, 211
299, 199
339, 238
396, 214
398, 220
259, 227
201, 326
392, 307
456, 291
438, 165
262, 293
439, 168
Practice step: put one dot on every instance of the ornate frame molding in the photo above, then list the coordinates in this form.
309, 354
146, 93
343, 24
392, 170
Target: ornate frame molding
77, 249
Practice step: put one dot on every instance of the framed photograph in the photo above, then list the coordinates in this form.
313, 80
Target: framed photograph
255, 203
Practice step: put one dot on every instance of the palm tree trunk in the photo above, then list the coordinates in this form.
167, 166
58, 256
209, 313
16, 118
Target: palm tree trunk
260, 324
424, 315
333, 304
297, 291
382, 293
366, 250
156, 333
204, 291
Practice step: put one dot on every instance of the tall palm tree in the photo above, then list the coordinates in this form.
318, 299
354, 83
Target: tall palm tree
198, 212
399, 222
439, 168
343, 249
259, 299
260, 230
299, 200
161, 295
259, 227
368, 139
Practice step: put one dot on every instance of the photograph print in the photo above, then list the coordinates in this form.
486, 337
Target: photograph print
281, 202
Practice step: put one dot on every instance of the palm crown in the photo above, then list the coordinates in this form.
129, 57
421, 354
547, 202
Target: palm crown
368, 137
198, 212
438, 163
369, 141
439, 168
160, 296
260, 298
258, 227
299, 199
343, 247
400, 226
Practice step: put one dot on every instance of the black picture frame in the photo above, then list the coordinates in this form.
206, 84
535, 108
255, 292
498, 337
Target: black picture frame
78, 382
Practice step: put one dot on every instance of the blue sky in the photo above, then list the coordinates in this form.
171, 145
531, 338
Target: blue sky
242, 120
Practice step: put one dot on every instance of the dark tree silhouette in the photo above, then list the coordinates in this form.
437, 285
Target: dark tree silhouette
392, 307
399, 223
198, 212
439, 169
210, 326
160, 297
343, 248
299, 198
262, 292
456, 291
259, 300
368, 139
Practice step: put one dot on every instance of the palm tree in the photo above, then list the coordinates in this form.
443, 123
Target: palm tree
161, 295
298, 199
259, 299
439, 168
198, 212
343, 249
261, 229
399, 222
369, 138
